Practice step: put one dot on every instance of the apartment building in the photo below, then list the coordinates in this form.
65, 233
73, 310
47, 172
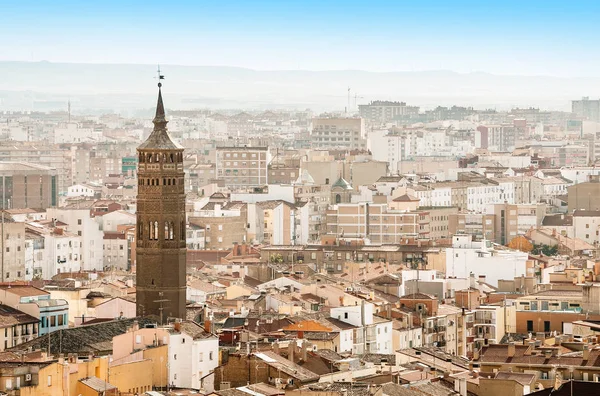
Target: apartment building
376, 223
198, 176
382, 111
478, 225
45, 155
582, 196
12, 255
586, 226
51, 250
242, 167
549, 310
81, 223
439, 224
493, 322
514, 220
52, 314
586, 109
315, 199
224, 224
481, 258
115, 250
28, 185
279, 222
496, 137
336, 133
372, 334
16, 327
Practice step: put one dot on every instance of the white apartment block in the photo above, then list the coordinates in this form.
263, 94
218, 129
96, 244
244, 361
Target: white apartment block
80, 223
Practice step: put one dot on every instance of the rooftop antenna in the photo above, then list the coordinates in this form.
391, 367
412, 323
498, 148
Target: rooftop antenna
69, 109
348, 106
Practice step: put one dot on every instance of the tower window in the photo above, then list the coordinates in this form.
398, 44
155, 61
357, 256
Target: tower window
164, 181
157, 157
174, 181
169, 180
149, 157
168, 230
171, 158
153, 230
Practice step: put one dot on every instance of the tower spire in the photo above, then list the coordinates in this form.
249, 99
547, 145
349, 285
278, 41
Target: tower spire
159, 118
159, 138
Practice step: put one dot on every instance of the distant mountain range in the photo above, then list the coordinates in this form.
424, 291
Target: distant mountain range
48, 86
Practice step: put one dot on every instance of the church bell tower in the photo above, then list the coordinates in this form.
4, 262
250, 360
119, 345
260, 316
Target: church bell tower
161, 224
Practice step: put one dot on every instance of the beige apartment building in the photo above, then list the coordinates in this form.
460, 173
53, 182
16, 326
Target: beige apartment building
514, 220
476, 224
376, 223
439, 221
13, 251
48, 155
584, 196
198, 176
329, 133
224, 224
242, 167
26, 185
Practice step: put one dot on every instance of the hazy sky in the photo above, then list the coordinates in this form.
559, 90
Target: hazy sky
499, 36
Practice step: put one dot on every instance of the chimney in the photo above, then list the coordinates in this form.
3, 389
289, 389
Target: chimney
548, 353
136, 325
291, 347
304, 350
208, 326
276, 347
177, 327
511, 349
586, 352
476, 354
482, 278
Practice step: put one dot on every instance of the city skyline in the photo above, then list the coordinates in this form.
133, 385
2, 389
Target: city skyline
511, 38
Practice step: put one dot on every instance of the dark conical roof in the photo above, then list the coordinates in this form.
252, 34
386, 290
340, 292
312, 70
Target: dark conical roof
159, 138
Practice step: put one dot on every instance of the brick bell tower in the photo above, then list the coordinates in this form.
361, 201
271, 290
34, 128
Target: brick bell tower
161, 247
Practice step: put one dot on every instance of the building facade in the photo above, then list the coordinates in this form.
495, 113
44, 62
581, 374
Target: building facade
242, 167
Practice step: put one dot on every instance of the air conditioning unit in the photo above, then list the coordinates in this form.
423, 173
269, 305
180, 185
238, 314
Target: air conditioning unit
27, 377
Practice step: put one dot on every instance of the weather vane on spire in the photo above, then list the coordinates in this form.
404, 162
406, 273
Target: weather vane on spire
160, 77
